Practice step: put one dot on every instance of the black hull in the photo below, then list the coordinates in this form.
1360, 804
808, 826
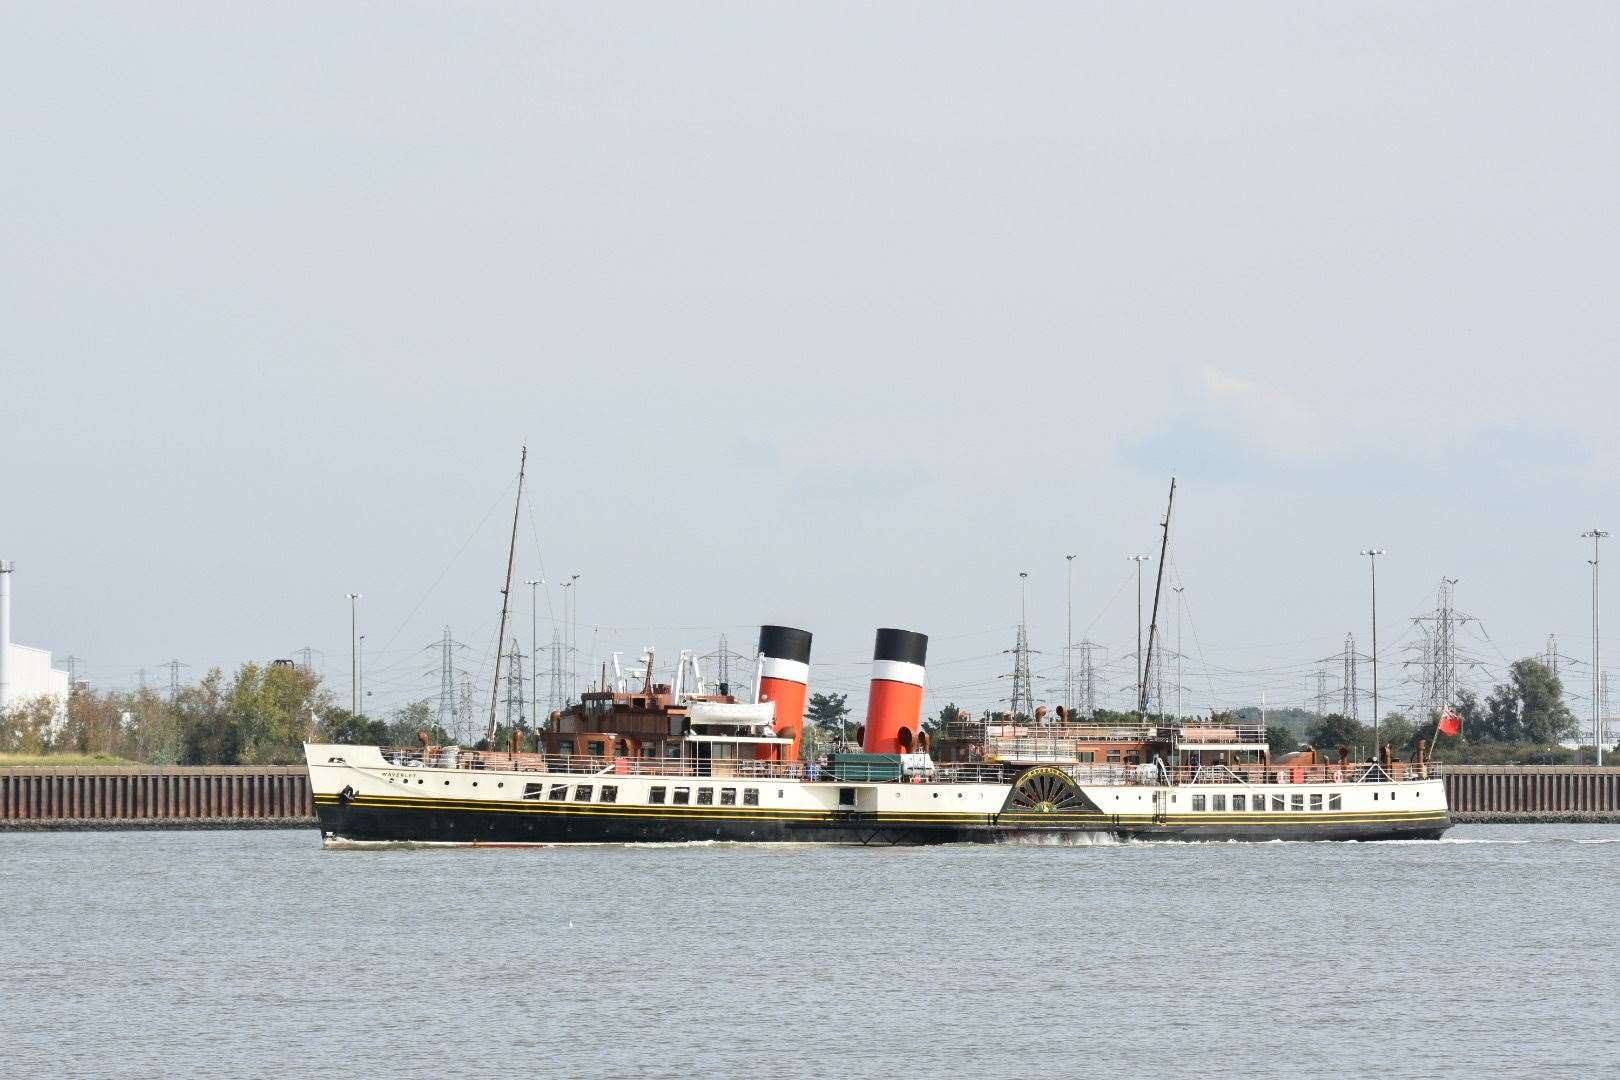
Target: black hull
493, 827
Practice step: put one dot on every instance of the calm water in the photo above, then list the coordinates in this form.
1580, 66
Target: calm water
1491, 953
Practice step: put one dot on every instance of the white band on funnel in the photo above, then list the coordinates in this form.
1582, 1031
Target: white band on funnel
897, 671
774, 667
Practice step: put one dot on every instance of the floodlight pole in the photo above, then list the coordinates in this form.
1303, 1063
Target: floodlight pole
1596, 535
1372, 564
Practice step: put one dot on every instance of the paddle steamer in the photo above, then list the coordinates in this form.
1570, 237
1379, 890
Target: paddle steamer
681, 761
678, 762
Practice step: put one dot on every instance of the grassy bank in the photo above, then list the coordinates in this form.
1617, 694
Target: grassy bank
8, 761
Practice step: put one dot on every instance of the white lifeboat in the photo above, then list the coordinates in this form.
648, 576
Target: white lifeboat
740, 714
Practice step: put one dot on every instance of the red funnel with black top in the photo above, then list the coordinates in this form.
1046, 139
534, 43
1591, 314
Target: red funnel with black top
784, 678
894, 709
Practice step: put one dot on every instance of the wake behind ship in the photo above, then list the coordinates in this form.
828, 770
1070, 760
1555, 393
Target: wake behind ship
681, 762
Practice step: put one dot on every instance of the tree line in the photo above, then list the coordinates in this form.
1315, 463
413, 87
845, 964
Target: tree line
1523, 720
262, 715
259, 716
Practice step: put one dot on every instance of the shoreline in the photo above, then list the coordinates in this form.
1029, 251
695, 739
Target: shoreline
1571, 817
152, 824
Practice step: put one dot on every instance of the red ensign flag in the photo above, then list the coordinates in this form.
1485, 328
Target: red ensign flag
1450, 723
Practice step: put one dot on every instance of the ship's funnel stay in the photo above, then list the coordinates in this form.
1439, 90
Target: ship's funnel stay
784, 680
894, 710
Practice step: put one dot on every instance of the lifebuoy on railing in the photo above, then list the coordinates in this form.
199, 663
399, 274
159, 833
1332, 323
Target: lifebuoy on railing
1282, 776
1338, 776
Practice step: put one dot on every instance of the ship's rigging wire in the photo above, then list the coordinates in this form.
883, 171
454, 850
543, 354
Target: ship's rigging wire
499, 498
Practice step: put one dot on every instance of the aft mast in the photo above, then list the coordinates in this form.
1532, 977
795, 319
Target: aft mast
506, 591
1153, 625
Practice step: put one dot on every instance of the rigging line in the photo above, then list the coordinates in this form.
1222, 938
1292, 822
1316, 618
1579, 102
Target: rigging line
499, 498
1197, 644
1122, 585
540, 557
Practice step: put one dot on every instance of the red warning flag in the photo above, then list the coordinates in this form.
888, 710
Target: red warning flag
1450, 723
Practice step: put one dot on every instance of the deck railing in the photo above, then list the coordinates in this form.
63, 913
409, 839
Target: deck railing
722, 768
1065, 741
1352, 773
945, 773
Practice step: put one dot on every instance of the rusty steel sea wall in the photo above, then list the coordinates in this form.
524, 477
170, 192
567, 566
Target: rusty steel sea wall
150, 793
1532, 790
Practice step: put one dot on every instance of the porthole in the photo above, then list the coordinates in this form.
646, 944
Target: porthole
447, 783
418, 779
475, 783
501, 784
958, 794
936, 794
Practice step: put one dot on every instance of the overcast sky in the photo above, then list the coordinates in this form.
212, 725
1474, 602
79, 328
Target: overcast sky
832, 316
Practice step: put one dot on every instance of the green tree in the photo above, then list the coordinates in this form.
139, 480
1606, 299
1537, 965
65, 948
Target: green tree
342, 726
830, 713
1333, 731
1475, 725
206, 736
1528, 708
270, 712
27, 726
936, 726
1543, 716
409, 721
1399, 732
1296, 720
1280, 739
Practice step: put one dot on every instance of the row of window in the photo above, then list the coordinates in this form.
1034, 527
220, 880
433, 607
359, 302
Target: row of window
1217, 803
610, 794
582, 792
705, 796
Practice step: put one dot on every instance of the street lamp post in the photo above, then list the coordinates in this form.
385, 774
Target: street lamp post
1138, 560
354, 653
1068, 646
1596, 535
573, 663
568, 600
1372, 563
360, 674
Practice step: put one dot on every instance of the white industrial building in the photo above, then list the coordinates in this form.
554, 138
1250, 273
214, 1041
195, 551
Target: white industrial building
25, 672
